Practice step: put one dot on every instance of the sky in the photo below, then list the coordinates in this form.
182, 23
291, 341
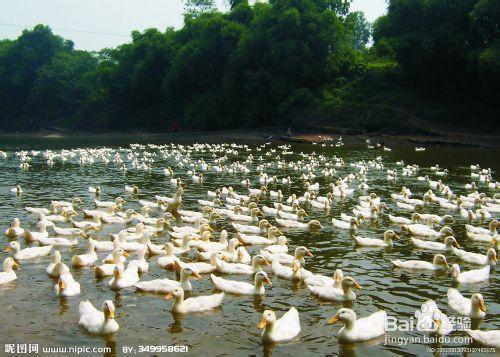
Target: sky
96, 24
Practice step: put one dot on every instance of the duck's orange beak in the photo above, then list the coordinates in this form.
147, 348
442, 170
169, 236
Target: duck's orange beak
356, 285
482, 307
169, 296
334, 319
267, 281
196, 275
262, 323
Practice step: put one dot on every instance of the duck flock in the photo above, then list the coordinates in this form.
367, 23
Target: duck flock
241, 236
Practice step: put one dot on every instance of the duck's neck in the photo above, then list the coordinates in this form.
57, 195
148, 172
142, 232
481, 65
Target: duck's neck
185, 284
256, 265
178, 300
347, 291
269, 329
349, 324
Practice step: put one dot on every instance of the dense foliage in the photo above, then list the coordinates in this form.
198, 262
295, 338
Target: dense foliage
278, 63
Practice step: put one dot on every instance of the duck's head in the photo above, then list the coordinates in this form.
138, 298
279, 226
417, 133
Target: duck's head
234, 242
188, 272
451, 241
261, 277
56, 257
118, 253
61, 283
120, 201
14, 246
492, 255
254, 212
338, 275
301, 213
493, 225
108, 309
349, 282
446, 231
268, 318
273, 232
302, 251
315, 224
9, 263
478, 301
344, 315
448, 219
440, 260
16, 223
177, 293
169, 248
455, 270
264, 223
117, 272
390, 234
259, 260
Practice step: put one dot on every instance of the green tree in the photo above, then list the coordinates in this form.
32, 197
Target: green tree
196, 7
358, 29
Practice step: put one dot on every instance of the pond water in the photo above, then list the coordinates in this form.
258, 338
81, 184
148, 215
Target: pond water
32, 313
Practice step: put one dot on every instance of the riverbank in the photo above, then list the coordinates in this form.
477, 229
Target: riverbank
310, 135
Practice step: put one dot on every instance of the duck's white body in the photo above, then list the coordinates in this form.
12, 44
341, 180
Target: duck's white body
486, 338
363, 329
471, 276
125, 278
195, 304
241, 287
95, 321
28, 253
284, 329
8, 273
67, 286
465, 306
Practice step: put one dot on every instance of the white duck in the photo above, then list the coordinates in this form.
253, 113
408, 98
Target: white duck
280, 247
288, 259
438, 263
486, 338
167, 260
358, 330
285, 272
254, 239
240, 287
85, 259
56, 267
473, 307
15, 229
351, 225
67, 285
8, 273
373, 242
260, 228
107, 269
164, 286
449, 242
471, 276
194, 304
312, 224
331, 293
95, 321
322, 280
27, 253
124, 278
474, 258
278, 330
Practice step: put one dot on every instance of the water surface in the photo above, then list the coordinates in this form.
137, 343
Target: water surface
31, 313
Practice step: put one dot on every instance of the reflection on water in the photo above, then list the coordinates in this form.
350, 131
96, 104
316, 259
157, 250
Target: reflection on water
30, 308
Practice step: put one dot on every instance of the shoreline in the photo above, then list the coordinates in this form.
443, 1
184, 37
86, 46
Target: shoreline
279, 134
